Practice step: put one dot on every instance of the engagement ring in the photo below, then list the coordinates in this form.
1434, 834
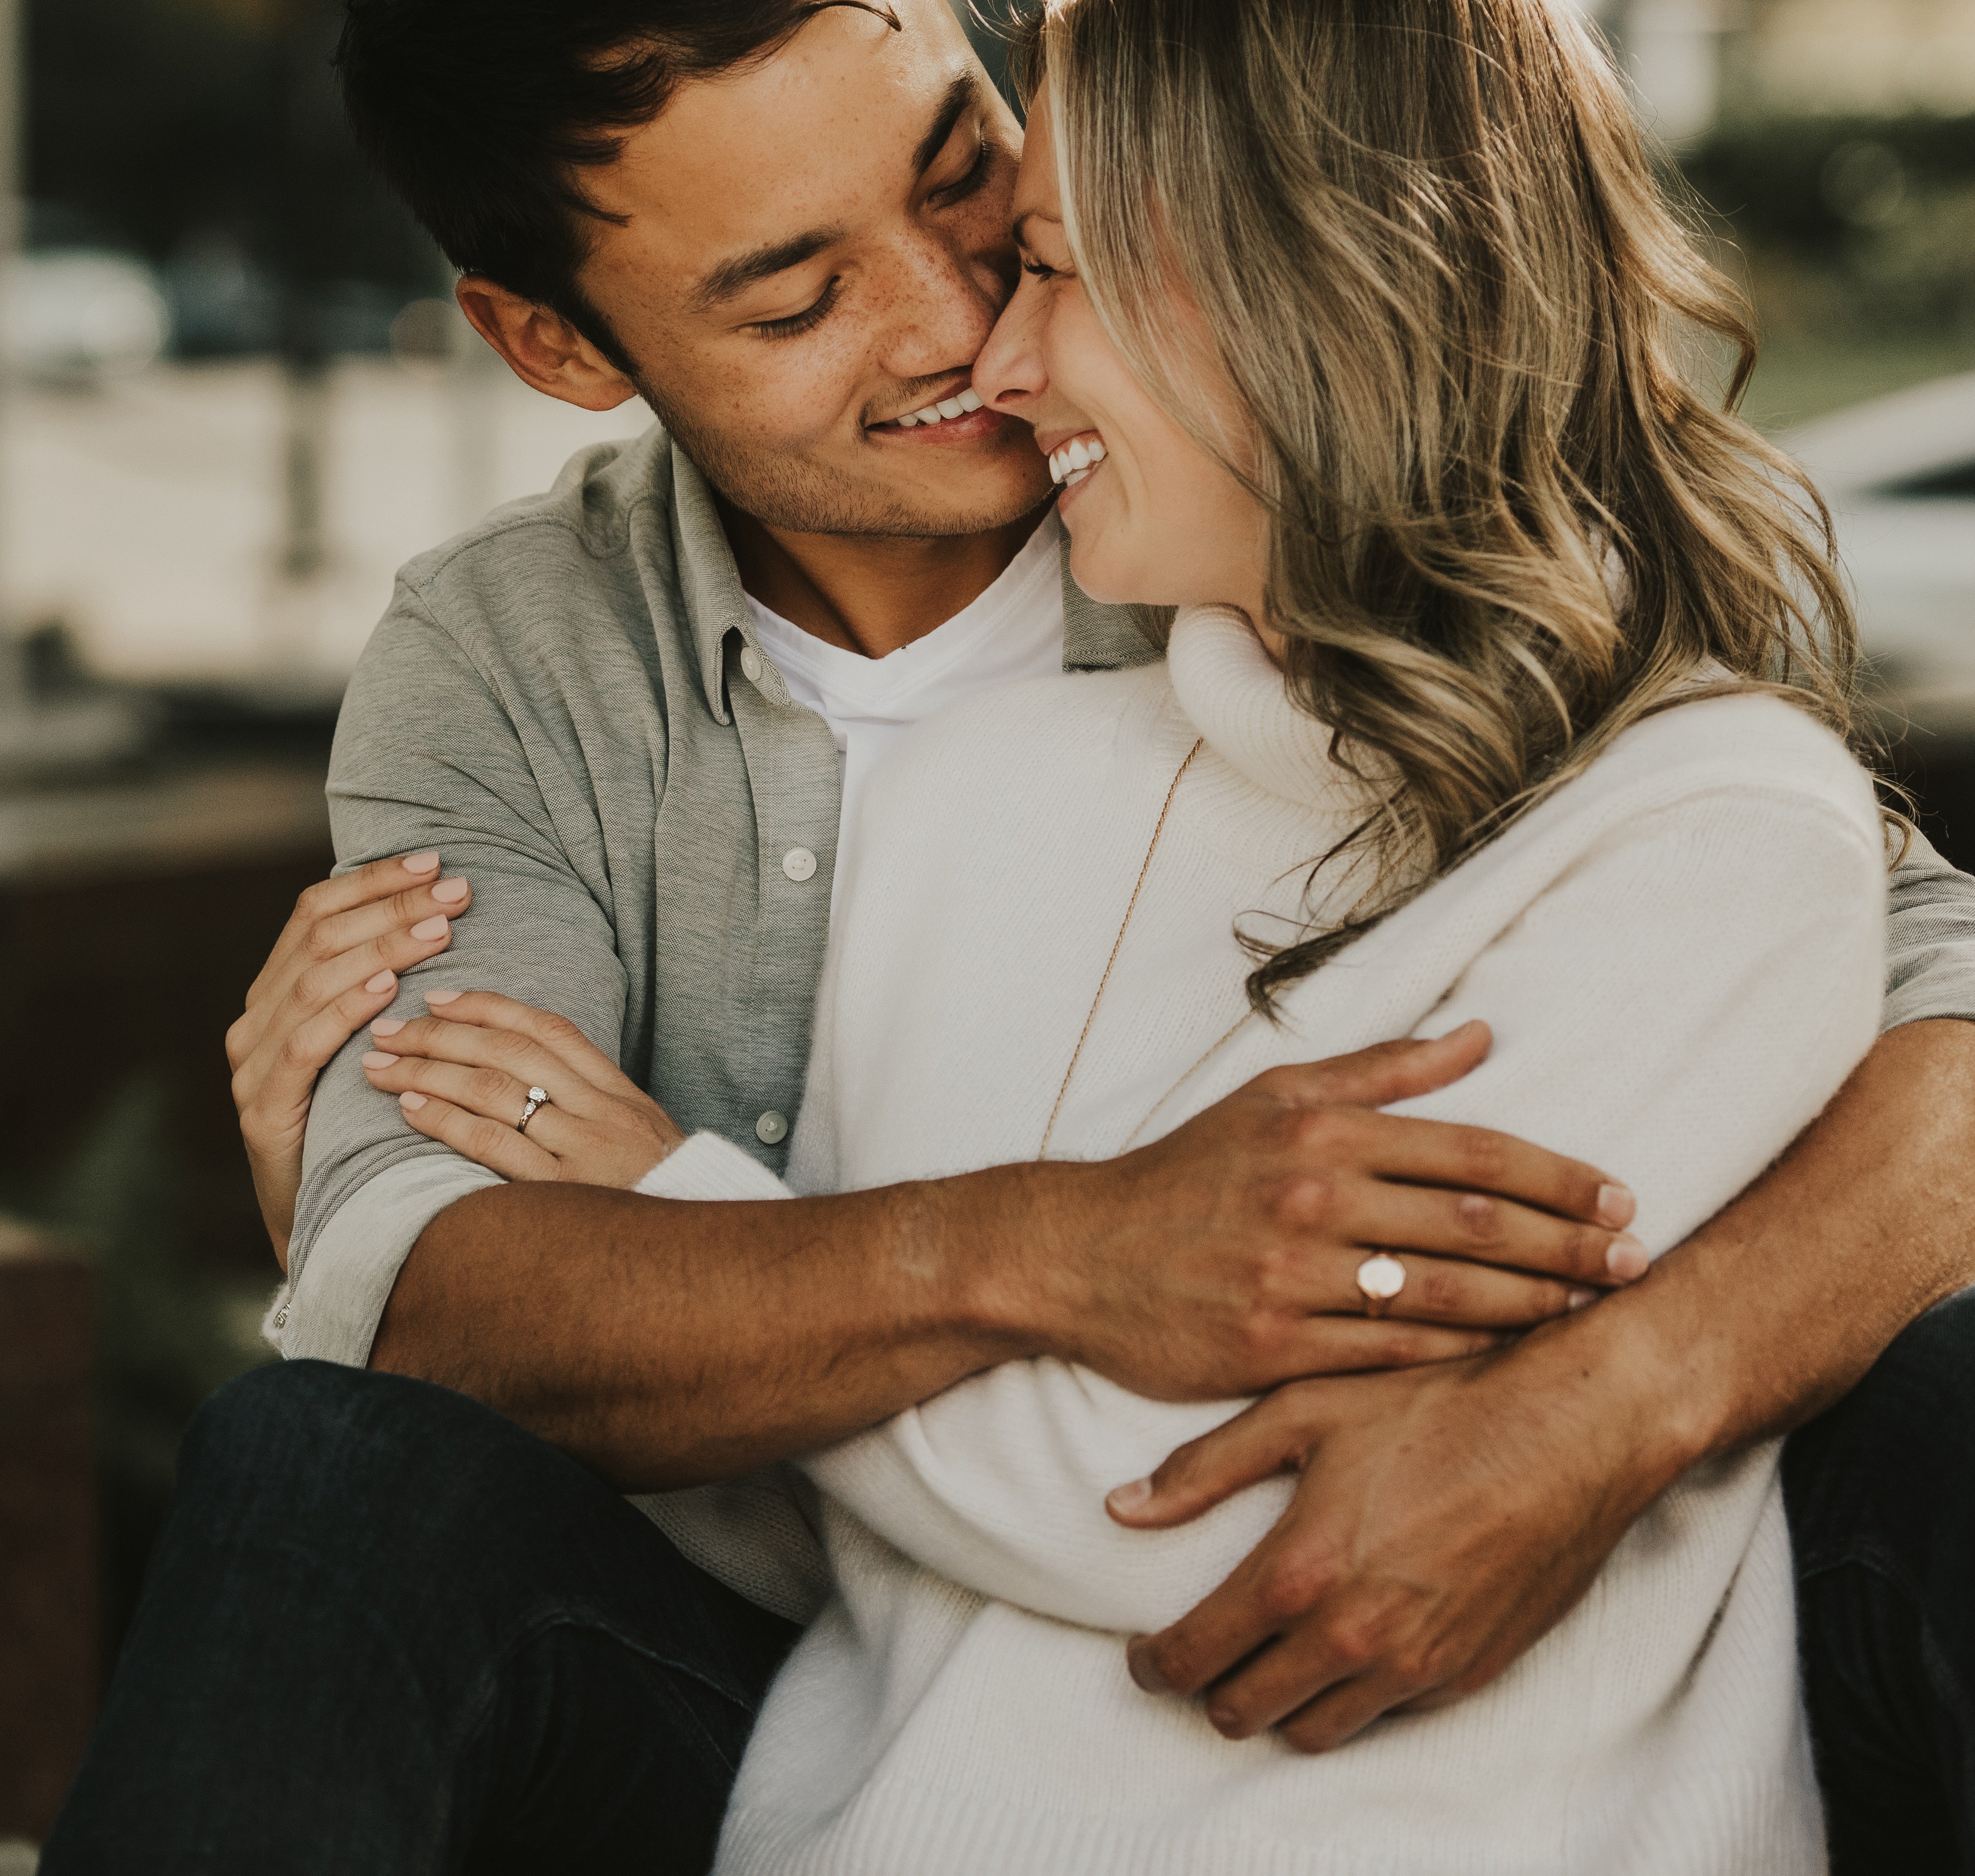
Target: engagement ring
539, 1098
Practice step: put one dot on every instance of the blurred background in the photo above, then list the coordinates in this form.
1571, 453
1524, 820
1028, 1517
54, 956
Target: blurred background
234, 395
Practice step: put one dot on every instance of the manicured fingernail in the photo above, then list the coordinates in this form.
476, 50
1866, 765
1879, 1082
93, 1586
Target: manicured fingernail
411, 1102
381, 982
1627, 1258
1581, 1299
431, 928
1616, 1207
1138, 1658
442, 998
378, 1059
449, 892
421, 862
1132, 1497
387, 1026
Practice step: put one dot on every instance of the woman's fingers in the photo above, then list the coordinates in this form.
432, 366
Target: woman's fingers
329, 898
486, 1142
555, 1034
394, 934
517, 1057
317, 988
491, 1092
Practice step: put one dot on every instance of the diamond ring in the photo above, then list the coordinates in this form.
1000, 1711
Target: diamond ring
539, 1098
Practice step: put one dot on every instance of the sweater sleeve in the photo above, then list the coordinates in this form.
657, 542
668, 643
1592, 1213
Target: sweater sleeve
1676, 1006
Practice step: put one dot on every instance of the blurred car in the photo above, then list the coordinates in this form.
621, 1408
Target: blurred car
1899, 473
77, 316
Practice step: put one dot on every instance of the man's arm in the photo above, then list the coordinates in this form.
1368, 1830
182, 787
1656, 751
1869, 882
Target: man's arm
667, 1342
1446, 1519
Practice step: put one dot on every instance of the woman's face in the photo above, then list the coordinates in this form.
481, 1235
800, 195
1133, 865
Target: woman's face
1153, 518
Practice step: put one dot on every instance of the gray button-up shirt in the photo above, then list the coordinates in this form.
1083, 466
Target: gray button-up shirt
561, 702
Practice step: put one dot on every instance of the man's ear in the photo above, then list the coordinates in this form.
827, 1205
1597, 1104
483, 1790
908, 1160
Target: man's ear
542, 348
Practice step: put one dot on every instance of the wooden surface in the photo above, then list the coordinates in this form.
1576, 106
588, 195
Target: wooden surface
48, 1611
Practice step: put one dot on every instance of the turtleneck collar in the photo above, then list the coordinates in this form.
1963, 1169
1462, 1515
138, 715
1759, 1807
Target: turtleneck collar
1235, 695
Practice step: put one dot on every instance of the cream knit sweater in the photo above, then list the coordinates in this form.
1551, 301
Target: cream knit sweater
1681, 954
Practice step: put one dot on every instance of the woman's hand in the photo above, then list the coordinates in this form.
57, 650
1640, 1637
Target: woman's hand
336, 965
463, 1074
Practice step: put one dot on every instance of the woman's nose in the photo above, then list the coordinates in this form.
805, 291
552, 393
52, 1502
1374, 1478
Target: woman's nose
1009, 372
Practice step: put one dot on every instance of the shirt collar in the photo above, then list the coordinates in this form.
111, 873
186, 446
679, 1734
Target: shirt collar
1096, 637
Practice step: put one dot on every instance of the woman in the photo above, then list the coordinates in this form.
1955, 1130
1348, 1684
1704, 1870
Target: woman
1348, 330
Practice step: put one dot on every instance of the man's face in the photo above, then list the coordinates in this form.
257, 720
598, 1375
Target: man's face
817, 246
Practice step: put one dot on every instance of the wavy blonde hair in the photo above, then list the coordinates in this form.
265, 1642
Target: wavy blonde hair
1436, 265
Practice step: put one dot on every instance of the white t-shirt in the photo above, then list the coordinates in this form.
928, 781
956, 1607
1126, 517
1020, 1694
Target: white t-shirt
1013, 630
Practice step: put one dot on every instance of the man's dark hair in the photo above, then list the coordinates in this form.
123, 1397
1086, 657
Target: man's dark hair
483, 114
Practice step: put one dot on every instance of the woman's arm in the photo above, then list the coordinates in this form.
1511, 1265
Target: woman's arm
1680, 1003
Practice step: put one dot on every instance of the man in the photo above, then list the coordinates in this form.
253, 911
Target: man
390, 1630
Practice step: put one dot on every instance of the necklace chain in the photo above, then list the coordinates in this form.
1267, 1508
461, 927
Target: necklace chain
1104, 983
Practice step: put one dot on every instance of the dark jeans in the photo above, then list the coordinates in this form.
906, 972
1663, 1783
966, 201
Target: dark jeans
385, 1630
1882, 1498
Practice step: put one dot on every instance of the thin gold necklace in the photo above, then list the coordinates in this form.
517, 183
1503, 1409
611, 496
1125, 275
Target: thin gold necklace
1104, 984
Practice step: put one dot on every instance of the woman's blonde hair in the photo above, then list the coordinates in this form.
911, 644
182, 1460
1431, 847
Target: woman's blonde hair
1433, 257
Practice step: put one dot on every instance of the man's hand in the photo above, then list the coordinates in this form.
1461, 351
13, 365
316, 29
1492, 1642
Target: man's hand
335, 966
1447, 1518
1223, 1260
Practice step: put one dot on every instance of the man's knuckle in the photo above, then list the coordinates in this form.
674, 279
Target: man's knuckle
1442, 1293
1357, 1642
1484, 1156
1421, 1664
1290, 1585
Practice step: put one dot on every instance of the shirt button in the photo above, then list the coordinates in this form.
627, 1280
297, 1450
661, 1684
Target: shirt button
751, 666
772, 1128
799, 864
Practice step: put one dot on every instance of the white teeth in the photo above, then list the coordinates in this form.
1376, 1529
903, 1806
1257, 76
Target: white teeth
964, 404
1075, 461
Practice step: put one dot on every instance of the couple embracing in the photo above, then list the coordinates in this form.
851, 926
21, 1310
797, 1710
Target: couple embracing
1104, 909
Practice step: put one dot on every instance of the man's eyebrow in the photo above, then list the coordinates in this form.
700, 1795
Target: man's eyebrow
737, 273
961, 95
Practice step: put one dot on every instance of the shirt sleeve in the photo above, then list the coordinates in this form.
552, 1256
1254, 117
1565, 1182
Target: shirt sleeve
427, 755
329, 1311
1675, 1008
1930, 941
